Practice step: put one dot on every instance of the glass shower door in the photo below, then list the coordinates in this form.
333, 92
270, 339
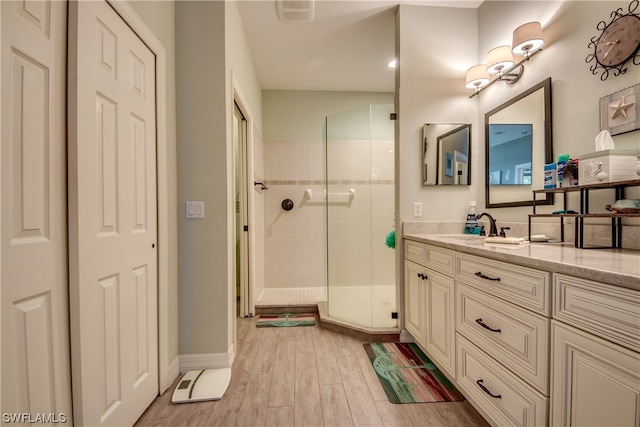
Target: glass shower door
359, 199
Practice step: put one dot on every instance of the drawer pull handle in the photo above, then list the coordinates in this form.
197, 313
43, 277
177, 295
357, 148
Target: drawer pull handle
482, 276
423, 276
484, 325
486, 390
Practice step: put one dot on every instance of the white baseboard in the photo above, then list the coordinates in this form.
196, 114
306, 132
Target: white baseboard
189, 362
174, 369
172, 373
232, 354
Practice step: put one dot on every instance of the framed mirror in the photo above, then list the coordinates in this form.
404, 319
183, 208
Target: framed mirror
446, 154
518, 143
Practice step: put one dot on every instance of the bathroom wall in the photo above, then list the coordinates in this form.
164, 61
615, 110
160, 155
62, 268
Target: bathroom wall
431, 88
437, 45
568, 28
293, 133
212, 59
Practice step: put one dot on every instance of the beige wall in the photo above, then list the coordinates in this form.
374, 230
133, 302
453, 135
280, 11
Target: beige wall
243, 85
568, 28
212, 59
203, 170
437, 45
431, 88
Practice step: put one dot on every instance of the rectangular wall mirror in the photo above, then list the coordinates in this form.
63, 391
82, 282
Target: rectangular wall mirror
446, 154
518, 143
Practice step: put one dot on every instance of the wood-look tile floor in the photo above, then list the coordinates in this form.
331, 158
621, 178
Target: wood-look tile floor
305, 376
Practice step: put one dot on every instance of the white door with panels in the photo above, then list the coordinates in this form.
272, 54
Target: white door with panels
112, 218
36, 385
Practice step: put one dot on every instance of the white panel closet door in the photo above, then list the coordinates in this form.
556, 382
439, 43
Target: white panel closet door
36, 379
113, 216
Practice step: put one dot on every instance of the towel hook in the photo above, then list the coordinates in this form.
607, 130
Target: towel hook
262, 186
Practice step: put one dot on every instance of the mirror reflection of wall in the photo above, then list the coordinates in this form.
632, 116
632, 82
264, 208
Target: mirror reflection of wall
518, 143
446, 149
510, 154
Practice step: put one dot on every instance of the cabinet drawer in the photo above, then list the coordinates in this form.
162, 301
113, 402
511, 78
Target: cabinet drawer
608, 311
513, 336
527, 287
415, 251
433, 257
478, 376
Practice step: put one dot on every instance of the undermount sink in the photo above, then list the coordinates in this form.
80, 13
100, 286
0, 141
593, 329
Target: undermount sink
475, 239
506, 240
466, 237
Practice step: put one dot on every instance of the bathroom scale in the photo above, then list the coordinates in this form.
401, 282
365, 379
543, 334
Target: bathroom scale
201, 385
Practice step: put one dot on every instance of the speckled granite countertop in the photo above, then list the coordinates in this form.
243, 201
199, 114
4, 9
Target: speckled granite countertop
615, 266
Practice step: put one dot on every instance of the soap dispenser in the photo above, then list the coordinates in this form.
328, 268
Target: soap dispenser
471, 225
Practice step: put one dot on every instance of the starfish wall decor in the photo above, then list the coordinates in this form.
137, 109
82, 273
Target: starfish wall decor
620, 108
620, 111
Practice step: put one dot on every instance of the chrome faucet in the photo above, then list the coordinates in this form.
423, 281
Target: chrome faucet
493, 230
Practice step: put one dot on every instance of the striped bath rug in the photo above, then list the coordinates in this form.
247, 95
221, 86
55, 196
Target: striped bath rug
286, 320
408, 376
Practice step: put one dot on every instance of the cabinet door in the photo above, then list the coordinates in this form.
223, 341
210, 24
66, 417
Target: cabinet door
440, 321
595, 382
414, 296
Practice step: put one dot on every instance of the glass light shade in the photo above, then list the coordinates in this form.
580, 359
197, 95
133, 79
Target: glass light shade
527, 38
499, 59
477, 76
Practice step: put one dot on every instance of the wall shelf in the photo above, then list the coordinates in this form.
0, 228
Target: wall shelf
583, 212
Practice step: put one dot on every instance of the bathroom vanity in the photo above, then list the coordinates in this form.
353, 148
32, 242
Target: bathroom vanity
533, 335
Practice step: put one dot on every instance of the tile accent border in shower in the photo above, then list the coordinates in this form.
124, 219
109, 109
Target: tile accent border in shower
330, 182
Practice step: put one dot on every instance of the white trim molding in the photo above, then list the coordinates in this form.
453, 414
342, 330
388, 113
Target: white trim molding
174, 370
189, 362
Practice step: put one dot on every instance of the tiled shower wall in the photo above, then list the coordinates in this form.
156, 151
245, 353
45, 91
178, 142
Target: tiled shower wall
295, 241
295, 244
295, 247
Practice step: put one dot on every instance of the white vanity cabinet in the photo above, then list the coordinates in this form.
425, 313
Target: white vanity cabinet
429, 301
532, 347
595, 371
502, 339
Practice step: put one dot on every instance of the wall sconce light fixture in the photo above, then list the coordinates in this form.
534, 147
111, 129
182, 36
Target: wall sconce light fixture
477, 77
527, 42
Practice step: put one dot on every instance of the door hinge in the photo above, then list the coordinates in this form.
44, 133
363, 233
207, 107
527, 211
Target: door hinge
394, 314
393, 116
246, 228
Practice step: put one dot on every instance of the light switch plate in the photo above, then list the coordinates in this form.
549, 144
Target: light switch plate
194, 209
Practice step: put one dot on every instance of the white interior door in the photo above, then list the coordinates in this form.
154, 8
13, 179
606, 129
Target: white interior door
35, 322
242, 217
112, 218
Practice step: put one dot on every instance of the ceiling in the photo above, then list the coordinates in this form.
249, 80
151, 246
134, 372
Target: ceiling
346, 47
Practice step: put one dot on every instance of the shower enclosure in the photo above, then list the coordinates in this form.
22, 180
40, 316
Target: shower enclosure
359, 197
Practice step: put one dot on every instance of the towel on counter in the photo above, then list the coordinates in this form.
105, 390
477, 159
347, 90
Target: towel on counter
507, 240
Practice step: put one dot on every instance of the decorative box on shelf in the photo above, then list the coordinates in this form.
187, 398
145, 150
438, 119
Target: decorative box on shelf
608, 166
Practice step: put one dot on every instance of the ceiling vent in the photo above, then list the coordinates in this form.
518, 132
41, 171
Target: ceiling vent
295, 10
